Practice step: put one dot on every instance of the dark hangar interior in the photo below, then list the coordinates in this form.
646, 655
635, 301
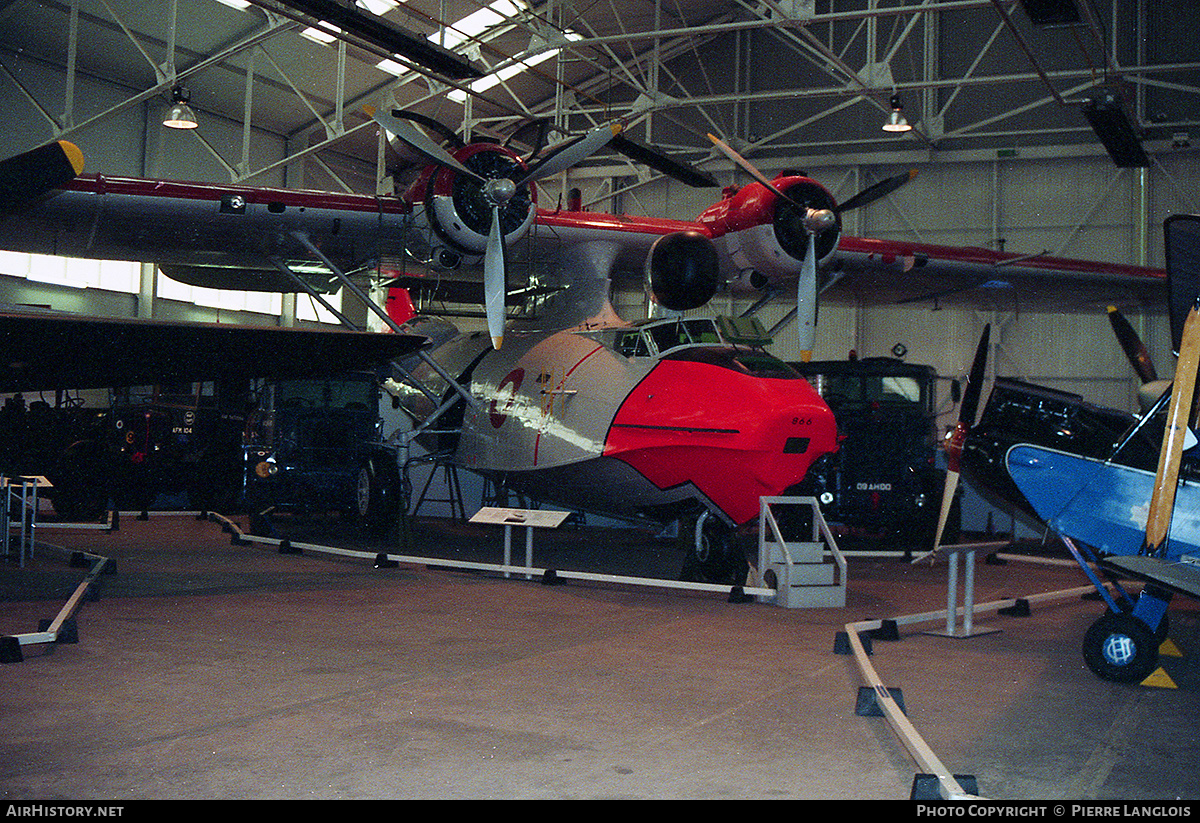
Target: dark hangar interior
283, 524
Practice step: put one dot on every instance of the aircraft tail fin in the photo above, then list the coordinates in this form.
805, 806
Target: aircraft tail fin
400, 306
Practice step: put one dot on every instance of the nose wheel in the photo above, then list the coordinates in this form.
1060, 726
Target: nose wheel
714, 555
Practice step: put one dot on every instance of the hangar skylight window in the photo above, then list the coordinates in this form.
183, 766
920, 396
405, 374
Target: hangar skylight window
461, 31
326, 34
522, 62
379, 7
477, 25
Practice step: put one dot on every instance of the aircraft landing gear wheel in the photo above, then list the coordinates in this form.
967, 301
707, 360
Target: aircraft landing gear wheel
713, 555
375, 500
1121, 648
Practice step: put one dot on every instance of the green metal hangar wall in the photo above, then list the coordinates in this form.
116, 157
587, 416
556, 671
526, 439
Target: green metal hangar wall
996, 95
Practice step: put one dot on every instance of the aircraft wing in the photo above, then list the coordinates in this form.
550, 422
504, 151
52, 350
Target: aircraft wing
1183, 577
241, 237
909, 272
924, 264
230, 237
47, 350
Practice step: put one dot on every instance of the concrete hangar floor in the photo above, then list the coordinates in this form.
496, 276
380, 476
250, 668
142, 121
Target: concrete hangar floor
208, 667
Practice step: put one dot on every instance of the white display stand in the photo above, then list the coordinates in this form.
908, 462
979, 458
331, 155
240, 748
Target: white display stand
20, 495
967, 550
529, 518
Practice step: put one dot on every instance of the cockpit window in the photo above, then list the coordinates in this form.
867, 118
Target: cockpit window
671, 334
632, 344
660, 337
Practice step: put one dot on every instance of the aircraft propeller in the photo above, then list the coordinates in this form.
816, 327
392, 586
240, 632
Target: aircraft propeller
967, 409
534, 133
875, 191
815, 221
539, 128
497, 191
1178, 437
31, 174
1139, 358
1132, 345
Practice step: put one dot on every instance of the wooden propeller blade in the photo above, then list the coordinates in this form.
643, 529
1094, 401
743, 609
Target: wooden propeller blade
947, 498
967, 409
970, 398
1166, 479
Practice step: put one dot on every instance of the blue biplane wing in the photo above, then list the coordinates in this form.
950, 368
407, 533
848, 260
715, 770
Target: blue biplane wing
1100, 504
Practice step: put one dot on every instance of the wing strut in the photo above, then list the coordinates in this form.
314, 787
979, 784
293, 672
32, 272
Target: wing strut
299, 281
305, 241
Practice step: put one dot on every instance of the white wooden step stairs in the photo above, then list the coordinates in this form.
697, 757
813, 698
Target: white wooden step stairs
804, 573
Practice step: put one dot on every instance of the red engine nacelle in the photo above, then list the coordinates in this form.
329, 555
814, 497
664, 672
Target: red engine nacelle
764, 234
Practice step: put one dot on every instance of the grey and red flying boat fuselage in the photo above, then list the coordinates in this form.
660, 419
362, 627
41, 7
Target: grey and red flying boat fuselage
651, 420
570, 416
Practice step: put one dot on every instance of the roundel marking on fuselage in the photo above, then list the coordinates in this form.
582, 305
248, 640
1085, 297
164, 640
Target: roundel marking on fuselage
498, 415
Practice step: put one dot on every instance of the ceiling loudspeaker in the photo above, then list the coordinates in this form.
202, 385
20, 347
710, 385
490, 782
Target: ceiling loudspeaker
1110, 120
1052, 12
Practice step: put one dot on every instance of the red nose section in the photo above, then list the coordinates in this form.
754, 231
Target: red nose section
735, 436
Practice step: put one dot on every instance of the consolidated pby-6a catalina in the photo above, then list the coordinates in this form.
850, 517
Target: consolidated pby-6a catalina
582, 408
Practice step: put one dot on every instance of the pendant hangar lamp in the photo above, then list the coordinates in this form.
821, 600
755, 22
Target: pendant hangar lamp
180, 115
896, 122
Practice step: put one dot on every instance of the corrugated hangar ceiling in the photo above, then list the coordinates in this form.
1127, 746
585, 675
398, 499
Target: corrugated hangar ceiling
783, 78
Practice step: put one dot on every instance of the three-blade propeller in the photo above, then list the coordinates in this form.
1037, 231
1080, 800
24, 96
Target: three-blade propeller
967, 409
815, 221
498, 191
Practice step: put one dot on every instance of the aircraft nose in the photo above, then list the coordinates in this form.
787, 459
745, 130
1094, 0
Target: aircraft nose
731, 433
